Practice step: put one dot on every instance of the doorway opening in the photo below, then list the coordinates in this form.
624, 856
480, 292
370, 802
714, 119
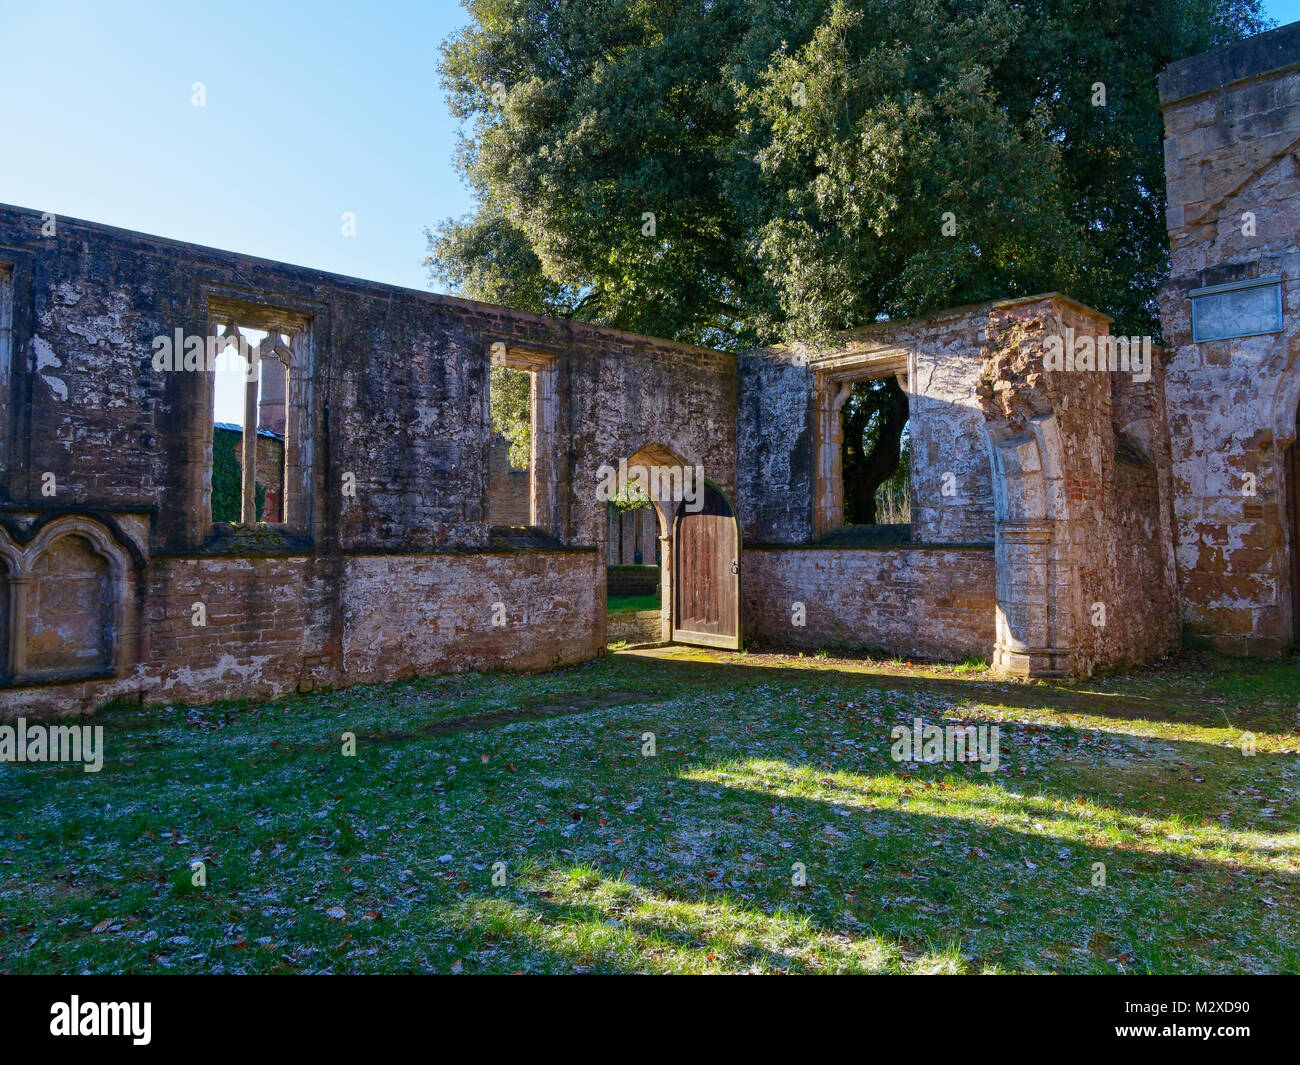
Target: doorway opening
633, 569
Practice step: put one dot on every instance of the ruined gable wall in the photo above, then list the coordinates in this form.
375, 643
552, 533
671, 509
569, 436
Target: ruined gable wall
1232, 146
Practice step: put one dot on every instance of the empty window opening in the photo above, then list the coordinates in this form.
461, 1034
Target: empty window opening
522, 416
510, 488
251, 435
876, 459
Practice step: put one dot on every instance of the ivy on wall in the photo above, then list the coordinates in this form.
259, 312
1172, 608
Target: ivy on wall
228, 478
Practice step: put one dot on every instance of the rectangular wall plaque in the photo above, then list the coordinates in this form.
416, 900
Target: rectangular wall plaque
1241, 309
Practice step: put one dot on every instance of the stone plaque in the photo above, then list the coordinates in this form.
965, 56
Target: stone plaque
1237, 310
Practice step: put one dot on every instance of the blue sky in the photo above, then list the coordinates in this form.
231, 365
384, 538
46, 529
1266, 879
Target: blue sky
312, 110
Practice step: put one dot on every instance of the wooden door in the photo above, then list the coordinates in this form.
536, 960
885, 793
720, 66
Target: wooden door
706, 574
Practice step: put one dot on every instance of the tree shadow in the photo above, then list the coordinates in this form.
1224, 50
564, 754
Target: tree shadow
890, 886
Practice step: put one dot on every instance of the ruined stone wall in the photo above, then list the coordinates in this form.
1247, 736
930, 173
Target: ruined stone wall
427, 616
936, 604
383, 568
625, 395
788, 461
775, 461
278, 625
1082, 511
1232, 161
1077, 504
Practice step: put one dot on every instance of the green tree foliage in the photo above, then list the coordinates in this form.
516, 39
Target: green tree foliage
799, 157
631, 496
510, 411
810, 165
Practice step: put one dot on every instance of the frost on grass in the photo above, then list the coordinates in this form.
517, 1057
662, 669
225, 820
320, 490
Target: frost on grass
682, 861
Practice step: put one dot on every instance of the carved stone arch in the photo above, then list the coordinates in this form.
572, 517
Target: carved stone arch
1035, 593
1279, 404
71, 605
1279, 396
103, 541
10, 553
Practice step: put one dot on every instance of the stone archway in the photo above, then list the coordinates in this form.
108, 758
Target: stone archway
1035, 592
650, 457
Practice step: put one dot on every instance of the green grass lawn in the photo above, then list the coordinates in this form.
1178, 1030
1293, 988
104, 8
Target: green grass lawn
683, 861
622, 604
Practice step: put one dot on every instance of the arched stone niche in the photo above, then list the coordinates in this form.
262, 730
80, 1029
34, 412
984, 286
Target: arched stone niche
67, 609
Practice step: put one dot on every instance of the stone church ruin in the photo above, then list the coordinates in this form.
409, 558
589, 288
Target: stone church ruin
1062, 518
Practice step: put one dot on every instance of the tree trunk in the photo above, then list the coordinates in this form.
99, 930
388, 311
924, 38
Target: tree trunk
864, 473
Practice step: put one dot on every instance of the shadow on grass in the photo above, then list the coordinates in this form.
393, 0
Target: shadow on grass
911, 890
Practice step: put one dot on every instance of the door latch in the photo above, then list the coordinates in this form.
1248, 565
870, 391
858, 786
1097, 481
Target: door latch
735, 566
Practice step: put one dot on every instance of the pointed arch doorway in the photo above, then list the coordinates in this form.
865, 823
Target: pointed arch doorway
699, 551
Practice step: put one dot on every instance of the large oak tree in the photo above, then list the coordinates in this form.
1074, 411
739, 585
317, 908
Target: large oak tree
813, 165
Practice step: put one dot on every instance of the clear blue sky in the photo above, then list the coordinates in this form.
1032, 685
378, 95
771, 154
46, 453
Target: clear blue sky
313, 109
